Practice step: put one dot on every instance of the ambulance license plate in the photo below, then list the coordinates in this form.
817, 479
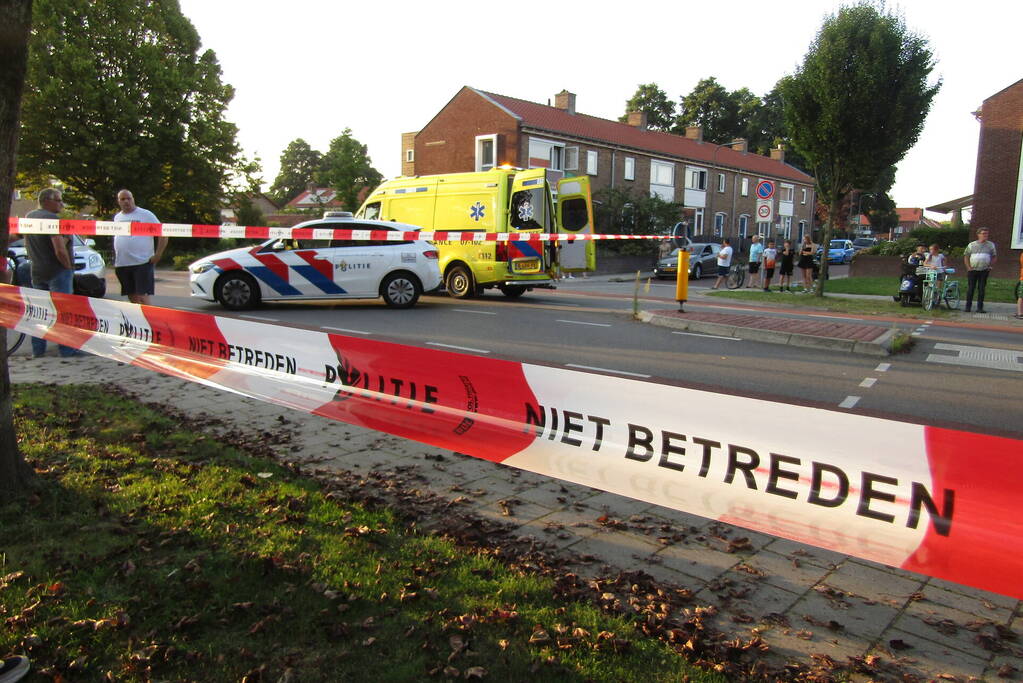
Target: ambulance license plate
526, 265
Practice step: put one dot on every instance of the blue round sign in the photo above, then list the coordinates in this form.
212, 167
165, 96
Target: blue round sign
765, 189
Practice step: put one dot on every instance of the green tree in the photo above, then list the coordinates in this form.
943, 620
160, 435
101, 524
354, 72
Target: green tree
649, 98
300, 163
858, 102
15, 23
625, 212
714, 109
118, 95
348, 169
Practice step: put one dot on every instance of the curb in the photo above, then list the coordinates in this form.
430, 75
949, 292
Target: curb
882, 346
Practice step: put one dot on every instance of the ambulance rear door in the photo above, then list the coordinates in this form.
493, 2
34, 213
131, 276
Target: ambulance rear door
530, 210
575, 217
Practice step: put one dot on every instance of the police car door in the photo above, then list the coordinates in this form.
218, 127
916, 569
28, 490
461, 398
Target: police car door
359, 265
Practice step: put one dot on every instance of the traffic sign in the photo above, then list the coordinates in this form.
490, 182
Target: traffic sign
765, 189
765, 211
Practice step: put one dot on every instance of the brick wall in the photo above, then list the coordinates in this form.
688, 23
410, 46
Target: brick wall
448, 143
998, 165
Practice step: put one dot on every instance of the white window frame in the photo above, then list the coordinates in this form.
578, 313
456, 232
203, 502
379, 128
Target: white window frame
743, 225
591, 161
555, 153
786, 193
698, 222
696, 178
804, 196
572, 158
802, 230
721, 182
719, 223
745, 187
480, 140
786, 227
410, 155
664, 190
763, 229
630, 168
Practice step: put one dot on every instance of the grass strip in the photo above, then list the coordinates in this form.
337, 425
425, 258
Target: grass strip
147, 550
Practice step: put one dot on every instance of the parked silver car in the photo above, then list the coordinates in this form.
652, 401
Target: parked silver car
702, 261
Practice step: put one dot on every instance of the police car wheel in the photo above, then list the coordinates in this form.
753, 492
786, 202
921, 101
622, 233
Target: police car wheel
459, 283
400, 290
237, 291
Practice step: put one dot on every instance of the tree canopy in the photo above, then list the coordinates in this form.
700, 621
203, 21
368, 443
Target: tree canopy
858, 102
712, 107
300, 164
660, 111
348, 169
118, 95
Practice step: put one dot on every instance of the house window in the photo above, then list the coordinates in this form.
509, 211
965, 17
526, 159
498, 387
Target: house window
719, 224
410, 155
696, 179
802, 230
571, 158
486, 152
763, 228
785, 193
630, 168
786, 226
721, 182
662, 180
591, 162
743, 225
546, 154
804, 196
745, 187
698, 222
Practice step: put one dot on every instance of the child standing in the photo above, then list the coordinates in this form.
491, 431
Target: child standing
788, 263
770, 256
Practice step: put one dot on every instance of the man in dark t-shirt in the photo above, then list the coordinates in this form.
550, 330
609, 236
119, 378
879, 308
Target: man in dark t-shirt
52, 262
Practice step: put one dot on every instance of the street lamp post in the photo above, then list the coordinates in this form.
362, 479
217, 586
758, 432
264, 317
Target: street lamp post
859, 206
711, 190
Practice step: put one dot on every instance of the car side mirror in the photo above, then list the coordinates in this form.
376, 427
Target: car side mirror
90, 242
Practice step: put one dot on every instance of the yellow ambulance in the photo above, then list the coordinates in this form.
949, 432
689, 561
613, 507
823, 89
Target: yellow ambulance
498, 200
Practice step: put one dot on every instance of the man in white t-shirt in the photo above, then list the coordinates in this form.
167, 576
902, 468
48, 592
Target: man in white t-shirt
724, 262
135, 258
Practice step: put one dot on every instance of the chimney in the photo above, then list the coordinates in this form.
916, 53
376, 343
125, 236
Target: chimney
694, 133
778, 154
565, 100
310, 186
637, 119
741, 145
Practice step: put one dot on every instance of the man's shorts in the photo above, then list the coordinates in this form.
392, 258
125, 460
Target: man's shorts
754, 267
140, 279
722, 271
786, 270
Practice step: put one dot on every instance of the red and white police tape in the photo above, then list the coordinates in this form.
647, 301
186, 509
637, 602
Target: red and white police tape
936, 501
46, 226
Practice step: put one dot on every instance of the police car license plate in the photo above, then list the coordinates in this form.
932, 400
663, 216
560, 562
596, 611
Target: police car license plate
526, 265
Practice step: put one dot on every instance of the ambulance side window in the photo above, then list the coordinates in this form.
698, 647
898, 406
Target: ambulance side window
526, 207
573, 214
372, 212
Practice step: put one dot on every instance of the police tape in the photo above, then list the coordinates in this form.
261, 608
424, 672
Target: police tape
46, 226
940, 502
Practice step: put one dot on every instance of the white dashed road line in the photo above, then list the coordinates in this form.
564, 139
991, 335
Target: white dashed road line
868, 382
260, 318
614, 372
579, 322
882, 367
849, 402
456, 348
345, 329
920, 330
465, 310
978, 357
708, 336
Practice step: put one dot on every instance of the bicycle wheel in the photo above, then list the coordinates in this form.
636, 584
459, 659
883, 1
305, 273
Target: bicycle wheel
14, 340
929, 296
952, 295
736, 276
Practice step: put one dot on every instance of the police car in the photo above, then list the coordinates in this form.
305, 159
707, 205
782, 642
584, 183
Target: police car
309, 269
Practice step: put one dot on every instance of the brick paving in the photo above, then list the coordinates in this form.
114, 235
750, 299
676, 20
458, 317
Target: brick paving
803, 601
816, 328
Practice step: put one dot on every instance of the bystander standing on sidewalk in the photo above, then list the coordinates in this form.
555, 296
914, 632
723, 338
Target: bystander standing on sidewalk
724, 262
806, 250
1019, 289
52, 263
756, 253
770, 258
135, 258
787, 260
979, 257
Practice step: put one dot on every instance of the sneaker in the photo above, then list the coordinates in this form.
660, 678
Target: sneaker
767, 289
13, 669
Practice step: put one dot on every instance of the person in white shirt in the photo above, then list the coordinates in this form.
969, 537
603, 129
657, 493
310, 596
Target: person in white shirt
135, 257
935, 259
724, 262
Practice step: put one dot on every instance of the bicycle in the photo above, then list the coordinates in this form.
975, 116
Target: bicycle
736, 274
936, 290
14, 338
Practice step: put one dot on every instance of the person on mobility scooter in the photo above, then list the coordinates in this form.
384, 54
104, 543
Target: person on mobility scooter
910, 283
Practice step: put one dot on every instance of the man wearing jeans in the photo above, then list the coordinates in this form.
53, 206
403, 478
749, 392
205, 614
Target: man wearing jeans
52, 263
979, 257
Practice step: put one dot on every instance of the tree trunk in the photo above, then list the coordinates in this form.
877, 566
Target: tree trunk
834, 212
15, 21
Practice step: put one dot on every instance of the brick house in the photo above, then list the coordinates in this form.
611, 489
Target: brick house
909, 220
998, 184
714, 183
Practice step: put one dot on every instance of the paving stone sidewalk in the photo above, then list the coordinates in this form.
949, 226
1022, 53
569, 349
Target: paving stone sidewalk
801, 600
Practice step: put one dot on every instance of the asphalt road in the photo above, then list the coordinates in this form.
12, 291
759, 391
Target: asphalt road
587, 324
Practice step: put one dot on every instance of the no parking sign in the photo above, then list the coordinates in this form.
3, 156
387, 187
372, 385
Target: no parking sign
765, 189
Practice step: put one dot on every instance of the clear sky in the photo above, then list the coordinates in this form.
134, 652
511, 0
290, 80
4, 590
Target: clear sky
310, 68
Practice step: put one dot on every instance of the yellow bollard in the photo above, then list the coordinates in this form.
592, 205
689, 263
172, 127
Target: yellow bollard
682, 278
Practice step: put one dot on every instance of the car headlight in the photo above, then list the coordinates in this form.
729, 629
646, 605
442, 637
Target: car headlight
95, 261
198, 268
